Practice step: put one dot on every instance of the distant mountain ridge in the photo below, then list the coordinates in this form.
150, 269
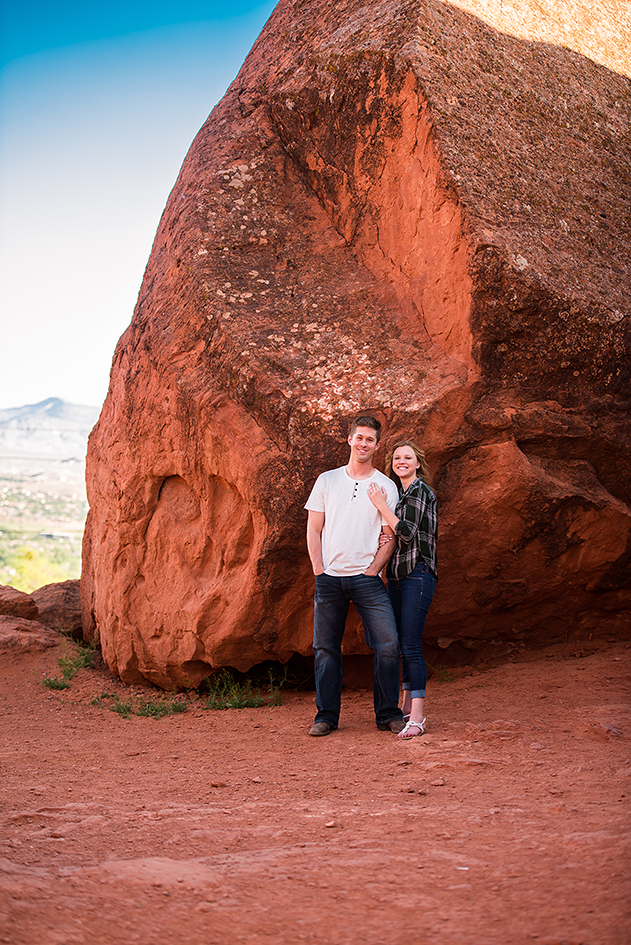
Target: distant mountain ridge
51, 429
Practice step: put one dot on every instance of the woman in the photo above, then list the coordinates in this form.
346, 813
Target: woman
411, 570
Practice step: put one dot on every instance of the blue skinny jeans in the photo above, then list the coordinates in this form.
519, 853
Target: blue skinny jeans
411, 599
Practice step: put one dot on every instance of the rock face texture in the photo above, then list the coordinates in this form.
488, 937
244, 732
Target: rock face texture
397, 207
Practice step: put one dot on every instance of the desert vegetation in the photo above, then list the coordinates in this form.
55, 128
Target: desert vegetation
41, 530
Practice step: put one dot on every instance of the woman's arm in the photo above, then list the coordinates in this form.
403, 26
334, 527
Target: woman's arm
404, 528
378, 497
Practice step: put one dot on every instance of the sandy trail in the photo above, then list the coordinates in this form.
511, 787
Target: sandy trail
507, 823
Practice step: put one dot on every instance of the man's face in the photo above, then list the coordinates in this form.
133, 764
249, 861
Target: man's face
363, 444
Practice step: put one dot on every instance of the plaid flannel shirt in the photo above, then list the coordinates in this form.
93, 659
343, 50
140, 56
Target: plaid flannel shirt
417, 512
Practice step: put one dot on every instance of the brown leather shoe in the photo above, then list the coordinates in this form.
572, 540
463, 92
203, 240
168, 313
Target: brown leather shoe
320, 728
394, 725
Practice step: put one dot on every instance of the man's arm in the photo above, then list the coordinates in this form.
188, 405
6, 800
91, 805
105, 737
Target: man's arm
315, 524
383, 555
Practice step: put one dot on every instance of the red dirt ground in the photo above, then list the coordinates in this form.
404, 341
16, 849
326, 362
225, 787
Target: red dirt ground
507, 823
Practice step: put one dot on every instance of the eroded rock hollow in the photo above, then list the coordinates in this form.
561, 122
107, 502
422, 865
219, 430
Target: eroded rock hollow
396, 207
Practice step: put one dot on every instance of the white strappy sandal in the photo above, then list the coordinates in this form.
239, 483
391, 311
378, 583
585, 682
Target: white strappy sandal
406, 731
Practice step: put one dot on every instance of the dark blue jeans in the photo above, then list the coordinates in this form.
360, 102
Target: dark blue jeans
410, 599
368, 594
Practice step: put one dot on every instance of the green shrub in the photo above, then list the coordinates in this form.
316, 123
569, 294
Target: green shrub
53, 682
154, 710
70, 663
83, 658
226, 691
442, 672
122, 708
157, 710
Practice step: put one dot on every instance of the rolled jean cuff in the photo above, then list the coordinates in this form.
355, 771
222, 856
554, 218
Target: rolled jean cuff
405, 686
417, 693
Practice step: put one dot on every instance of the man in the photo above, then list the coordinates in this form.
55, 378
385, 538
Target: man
343, 542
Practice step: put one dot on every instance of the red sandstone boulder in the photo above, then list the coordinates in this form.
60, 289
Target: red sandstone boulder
399, 208
14, 603
19, 636
20, 629
59, 607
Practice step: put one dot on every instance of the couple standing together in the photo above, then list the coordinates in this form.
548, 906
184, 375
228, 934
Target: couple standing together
359, 521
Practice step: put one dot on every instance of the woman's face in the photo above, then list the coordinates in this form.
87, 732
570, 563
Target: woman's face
404, 462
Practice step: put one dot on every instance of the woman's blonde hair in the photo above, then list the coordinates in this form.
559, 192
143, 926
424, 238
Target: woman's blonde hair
422, 471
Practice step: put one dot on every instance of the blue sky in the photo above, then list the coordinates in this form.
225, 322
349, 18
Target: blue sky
98, 107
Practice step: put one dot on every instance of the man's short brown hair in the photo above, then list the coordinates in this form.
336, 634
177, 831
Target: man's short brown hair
366, 421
